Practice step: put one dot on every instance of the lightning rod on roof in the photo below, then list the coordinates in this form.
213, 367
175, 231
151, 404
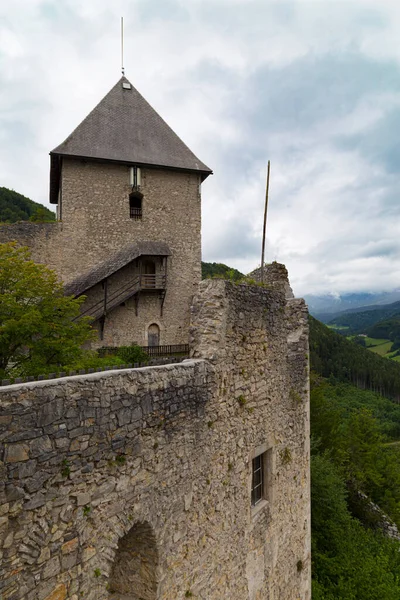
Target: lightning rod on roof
122, 46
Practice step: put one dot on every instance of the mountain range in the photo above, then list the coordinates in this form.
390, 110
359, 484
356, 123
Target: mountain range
327, 306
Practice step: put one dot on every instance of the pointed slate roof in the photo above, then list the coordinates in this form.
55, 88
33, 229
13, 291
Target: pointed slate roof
123, 127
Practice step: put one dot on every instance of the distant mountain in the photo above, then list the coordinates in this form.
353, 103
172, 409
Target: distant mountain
14, 207
328, 306
389, 329
362, 319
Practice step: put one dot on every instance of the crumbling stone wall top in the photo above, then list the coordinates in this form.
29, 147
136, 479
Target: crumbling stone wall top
275, 275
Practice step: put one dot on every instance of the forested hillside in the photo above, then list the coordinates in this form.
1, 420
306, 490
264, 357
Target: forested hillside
332, 355
360, 321
355, 459
355, 442
15, 207
389, 329
219, 270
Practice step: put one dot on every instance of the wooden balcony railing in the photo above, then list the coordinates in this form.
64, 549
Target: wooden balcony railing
113, 298
152, 282
169, 350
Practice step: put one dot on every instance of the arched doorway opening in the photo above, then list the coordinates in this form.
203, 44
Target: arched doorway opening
153, 335
134, 572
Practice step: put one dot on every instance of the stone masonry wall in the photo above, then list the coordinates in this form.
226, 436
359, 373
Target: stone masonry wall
42, 238
275, 275
152, 467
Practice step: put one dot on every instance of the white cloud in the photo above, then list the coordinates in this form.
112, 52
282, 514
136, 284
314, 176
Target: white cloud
301, 83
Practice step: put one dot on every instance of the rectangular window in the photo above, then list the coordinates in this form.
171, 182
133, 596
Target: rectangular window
135, 205
257, 482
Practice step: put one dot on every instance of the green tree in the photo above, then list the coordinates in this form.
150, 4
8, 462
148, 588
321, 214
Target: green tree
42, 215
349, 561
39, 329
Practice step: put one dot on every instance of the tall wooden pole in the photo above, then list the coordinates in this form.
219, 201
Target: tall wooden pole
265, 224
122, 46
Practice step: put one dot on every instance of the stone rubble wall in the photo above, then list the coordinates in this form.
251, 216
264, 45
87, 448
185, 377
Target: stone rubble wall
168, 451
276, 276
41, 238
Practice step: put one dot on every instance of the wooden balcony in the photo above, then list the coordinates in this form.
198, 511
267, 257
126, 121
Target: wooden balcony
152, 281
140, 283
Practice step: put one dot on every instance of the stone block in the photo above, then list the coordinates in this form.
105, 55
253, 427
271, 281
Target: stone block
59, 593
16, 453
40, 446
51, 568
83, 499
50, 412
88, 553
70, 546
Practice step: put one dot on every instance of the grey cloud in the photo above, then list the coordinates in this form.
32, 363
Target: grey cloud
381, 142
236, 240
333, 228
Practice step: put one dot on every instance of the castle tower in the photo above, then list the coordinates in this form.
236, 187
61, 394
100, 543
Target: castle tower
127, 191
128, 235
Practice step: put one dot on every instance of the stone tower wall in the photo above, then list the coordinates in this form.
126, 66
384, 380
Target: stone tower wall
95, 222
164, 455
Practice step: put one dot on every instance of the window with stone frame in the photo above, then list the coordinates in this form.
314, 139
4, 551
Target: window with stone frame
262, 476
258, 479
135, 205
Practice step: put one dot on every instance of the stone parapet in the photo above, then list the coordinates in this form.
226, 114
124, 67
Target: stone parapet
137, 483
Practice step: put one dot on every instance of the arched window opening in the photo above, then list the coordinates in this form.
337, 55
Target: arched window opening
134, 572
153, 335
135, 205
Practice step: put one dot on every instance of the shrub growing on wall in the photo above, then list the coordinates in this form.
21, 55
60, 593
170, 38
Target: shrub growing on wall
132, 354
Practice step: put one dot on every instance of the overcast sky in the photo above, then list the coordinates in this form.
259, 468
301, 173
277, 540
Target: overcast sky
312, 86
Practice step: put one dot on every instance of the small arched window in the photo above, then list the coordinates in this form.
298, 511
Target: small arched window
135, 205
153, 335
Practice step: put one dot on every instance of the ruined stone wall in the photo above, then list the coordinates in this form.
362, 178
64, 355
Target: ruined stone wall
42, 238
275, 275
143, 477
